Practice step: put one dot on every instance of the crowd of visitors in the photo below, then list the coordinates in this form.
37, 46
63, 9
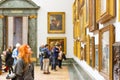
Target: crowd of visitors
18, 61
50, 57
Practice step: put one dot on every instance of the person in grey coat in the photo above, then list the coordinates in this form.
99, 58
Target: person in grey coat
24, 68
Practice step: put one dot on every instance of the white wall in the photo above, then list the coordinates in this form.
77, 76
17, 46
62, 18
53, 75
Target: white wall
66, 6
55, 6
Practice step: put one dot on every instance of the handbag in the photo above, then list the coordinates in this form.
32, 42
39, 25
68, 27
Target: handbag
11, 76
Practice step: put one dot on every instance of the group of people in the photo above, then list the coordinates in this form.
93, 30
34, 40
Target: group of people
51, 57
18, 61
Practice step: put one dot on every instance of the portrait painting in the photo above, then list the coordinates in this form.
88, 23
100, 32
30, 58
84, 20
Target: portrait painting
106, 39
116, 60
96, 56
61, 41
56, 22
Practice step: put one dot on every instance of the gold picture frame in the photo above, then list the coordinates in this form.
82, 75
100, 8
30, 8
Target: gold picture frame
75, 47
78, 49
60, 40
88, 49
56, 22
96, 56
106, 39
92, 18
86, 13
105, 10
82, 26
92, 52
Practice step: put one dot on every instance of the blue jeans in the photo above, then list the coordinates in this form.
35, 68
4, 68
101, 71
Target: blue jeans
41, 62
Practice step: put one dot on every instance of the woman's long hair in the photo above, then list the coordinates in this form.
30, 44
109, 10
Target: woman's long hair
25, 53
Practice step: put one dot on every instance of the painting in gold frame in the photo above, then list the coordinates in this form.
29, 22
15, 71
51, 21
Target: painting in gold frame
60, 40
56, 22
105, 10
106, 39
92, 52
86, 13
92, 18
96, 56
74, 12
88, 49
78, 49
75, 47
82, 26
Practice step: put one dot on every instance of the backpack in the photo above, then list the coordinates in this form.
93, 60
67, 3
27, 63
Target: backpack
45, 54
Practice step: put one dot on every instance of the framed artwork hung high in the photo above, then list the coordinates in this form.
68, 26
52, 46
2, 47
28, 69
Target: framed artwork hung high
57, 40
56, 22
105, 10
92, 18
106, 39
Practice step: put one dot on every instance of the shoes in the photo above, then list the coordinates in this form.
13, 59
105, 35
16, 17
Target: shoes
55, 70
46, 72
60, 67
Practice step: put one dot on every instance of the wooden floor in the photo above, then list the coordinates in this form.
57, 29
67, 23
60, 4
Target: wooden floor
60, 74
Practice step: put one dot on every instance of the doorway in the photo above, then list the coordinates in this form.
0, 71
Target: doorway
17, 30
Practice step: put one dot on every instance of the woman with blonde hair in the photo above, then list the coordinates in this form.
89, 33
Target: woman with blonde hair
24, 68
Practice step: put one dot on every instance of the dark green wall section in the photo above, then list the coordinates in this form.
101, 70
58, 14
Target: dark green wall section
32, 35
1, 35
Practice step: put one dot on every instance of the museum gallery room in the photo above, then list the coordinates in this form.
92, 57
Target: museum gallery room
66, 39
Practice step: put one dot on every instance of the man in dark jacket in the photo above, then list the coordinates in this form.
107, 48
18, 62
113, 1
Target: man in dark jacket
55, 56
46, 60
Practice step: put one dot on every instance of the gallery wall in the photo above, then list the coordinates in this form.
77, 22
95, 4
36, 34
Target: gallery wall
55, 6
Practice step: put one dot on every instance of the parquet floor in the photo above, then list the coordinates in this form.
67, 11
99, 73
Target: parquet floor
60, 74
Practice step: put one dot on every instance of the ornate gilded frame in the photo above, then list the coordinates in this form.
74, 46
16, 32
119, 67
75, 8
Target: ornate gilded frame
96, 56
60, 40
105, 10
92, 17
86, 13
111, 38
92, 52
78, 49
82, 26
56, 22
75, 47
88, 49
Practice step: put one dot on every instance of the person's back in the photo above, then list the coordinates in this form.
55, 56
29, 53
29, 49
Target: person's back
23, 70
41, 51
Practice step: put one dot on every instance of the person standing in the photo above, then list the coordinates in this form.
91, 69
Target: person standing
15, 53
55, 57
60, 57
41, 51
9, 60
46, 55
24, 68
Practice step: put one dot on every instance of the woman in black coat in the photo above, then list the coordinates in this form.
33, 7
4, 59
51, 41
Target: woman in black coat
9, 60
